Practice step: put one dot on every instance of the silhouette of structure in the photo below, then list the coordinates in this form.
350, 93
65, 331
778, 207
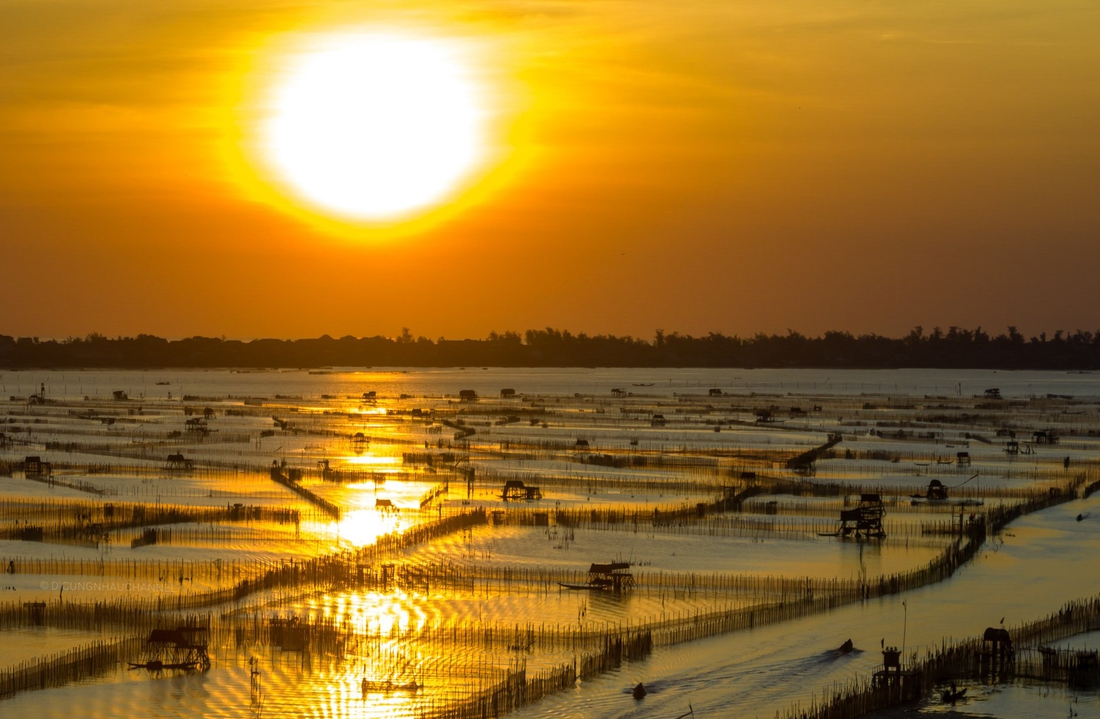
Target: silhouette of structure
865, 521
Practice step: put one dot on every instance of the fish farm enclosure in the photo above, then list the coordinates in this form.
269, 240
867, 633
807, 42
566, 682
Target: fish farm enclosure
480, 542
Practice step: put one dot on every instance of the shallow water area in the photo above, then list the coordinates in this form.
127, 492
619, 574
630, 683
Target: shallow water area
1020, 701
760, 672
382, 522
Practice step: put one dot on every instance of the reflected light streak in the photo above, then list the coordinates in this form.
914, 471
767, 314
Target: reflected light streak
372, 460
359, 527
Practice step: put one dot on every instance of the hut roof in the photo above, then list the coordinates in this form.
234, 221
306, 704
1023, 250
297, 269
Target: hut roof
608, 568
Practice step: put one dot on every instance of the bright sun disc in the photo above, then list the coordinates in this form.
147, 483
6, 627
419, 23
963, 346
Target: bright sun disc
374, 127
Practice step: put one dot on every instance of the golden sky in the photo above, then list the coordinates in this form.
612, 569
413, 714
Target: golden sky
693, 165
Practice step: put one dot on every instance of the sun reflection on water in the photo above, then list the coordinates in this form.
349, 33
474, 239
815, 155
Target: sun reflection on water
359, 527
375, 613
373, 460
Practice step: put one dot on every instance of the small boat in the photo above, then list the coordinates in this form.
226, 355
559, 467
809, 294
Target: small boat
846, 647
642, 384
639, 691
952, 695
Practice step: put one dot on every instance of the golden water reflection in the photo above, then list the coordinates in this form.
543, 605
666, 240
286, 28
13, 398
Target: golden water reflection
375, 613
373, 460
359, 527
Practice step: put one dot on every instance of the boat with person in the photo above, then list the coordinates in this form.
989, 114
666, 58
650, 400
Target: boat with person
953, 694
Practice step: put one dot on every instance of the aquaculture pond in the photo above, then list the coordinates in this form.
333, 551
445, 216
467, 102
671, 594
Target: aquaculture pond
490, 542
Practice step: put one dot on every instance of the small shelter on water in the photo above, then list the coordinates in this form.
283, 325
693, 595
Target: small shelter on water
35, 467
178, 461
610, 577
906, 682
181, 648
996, 642
998, 653
515, 490
936, 492
865, 520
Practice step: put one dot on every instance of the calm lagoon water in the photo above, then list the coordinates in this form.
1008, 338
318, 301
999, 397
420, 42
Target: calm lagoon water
1040, 562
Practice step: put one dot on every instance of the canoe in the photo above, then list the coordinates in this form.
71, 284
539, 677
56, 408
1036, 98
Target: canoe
950, 697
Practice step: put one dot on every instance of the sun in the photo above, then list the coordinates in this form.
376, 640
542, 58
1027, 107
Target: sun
375, 127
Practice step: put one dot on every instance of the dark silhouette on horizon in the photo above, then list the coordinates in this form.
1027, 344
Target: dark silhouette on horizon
955, 349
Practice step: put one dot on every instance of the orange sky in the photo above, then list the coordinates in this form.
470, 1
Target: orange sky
692, 165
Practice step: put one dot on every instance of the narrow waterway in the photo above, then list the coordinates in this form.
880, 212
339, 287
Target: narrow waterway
1040, 562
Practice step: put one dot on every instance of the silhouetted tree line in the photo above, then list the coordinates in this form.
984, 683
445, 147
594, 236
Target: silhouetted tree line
956, 348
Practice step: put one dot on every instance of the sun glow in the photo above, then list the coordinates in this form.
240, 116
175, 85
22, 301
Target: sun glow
375, 127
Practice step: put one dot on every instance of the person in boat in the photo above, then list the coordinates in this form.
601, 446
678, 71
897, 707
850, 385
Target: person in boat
846, 647
953, 694
639, 691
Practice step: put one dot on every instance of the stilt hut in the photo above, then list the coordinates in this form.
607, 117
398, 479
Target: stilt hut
865, 520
